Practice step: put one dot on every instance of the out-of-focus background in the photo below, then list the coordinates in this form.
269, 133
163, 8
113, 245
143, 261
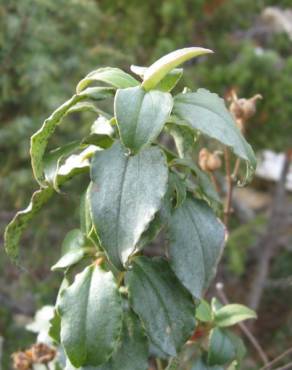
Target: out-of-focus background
47, 46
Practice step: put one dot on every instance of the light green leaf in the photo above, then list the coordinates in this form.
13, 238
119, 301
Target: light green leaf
74, 165
196, 243
167, 83
164, 306
22, 219
85, 216
141, 115
112, 76
53, 159
55, 327
206, 112
40, 139
125, 194
204, 312
184, 139
221, 350
73, 250
232, 314
164, 65
89, 330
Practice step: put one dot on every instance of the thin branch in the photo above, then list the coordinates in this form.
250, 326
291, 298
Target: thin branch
243, 327
229, 183
285, 367
277, 359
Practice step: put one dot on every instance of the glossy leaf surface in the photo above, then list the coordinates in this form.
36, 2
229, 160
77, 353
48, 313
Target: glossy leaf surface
196, 243
89, 329
164, 306
126, 193
141, 115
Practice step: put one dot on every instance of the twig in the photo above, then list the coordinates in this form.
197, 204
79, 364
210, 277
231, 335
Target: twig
228, 202
268, 243
159, 364
277, 359
285, 367
244, 328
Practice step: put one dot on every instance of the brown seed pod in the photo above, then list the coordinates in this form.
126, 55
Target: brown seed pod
42, 353
214, 162
203, 158
243, 109
208, 161
21, 361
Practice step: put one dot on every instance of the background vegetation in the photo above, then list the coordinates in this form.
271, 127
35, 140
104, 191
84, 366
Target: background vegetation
47, 46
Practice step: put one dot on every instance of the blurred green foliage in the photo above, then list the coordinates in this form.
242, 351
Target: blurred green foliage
47, 46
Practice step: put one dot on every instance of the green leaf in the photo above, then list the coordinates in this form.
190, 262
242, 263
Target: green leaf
167, 83
206, 112
53, 159
85, 216
22, 219
112, 76
196, 244
204, 312
125, 194
240, 349
221, 350
201, 365
151, 232
73, 250
164, 65
184, 139
232, 314
141, 115
55, 327
164, 306
204, 183
74, 165
131, 352
40, 139
89, 329
179, 187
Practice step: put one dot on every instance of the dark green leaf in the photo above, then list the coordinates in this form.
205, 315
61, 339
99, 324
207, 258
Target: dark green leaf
232, 314
158, 70
125, 194
131, 352
201, 365
196, 244
112, 76
21, 220
89, 329
206, 112
179, 187
141, 115
221, 350
167, 83
164, 306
